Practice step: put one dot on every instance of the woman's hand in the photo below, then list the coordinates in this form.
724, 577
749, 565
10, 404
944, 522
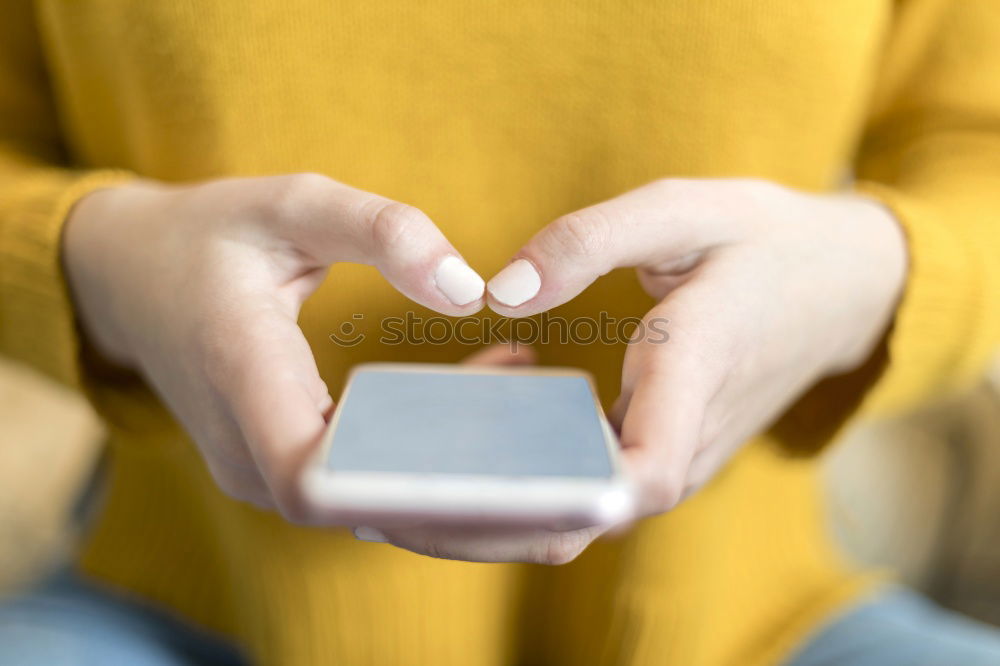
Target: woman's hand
766, 291
198, 288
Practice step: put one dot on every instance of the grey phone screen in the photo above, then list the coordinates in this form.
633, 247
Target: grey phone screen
469, 424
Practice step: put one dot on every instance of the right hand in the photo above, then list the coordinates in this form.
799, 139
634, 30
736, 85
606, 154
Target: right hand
198, 289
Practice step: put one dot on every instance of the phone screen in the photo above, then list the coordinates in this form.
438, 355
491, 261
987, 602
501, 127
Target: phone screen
469, 423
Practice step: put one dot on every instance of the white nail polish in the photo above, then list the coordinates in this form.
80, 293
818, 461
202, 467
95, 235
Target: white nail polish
516, 284
458, 281
369, 534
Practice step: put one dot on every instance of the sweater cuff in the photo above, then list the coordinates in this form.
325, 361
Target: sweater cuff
924, 352
37, 324
937, 346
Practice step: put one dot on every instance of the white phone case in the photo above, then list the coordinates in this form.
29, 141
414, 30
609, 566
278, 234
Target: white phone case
389, 497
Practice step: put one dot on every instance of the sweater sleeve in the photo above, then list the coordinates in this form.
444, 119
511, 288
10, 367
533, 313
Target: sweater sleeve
38, 186
931, 155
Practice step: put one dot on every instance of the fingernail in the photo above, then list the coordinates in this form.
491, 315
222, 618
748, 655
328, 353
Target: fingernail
458, 281
370, 534
516, 284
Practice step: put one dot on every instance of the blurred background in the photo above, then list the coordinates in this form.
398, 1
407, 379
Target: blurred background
920, 494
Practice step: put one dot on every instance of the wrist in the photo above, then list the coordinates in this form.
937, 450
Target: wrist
94, 251
878, 265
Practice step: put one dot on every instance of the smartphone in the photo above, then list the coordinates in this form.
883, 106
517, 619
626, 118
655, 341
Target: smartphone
454, 443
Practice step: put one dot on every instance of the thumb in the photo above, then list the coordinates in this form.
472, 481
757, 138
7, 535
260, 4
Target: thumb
328, 222
659, 225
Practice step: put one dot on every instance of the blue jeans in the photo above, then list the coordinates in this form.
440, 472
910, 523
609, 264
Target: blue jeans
73, 622
899, 627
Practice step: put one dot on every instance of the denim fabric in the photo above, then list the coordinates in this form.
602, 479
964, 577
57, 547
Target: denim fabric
899, 627
73, 622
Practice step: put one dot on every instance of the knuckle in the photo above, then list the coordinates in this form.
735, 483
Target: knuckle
687, 196
239, 477
393, 224
582, 234
231, 483
307, 181
292, 507
225, 483
561, 549
289, 194
432, 548
663, 184
679, 188
664, 494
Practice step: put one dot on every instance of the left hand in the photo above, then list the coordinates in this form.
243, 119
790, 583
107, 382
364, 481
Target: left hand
766, 290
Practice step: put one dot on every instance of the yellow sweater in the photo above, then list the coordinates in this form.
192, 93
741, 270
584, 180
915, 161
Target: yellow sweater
494, 118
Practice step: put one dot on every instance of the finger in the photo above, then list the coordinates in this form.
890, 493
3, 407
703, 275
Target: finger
240, 481
492, 544
662, 225
660, 411
659, 439
279, 402
704, 466
243, 483
503, 354
618, 410
331, 222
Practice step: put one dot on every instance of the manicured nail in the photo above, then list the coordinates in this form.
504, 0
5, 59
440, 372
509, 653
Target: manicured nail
370, 534
458, 282
516, 284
